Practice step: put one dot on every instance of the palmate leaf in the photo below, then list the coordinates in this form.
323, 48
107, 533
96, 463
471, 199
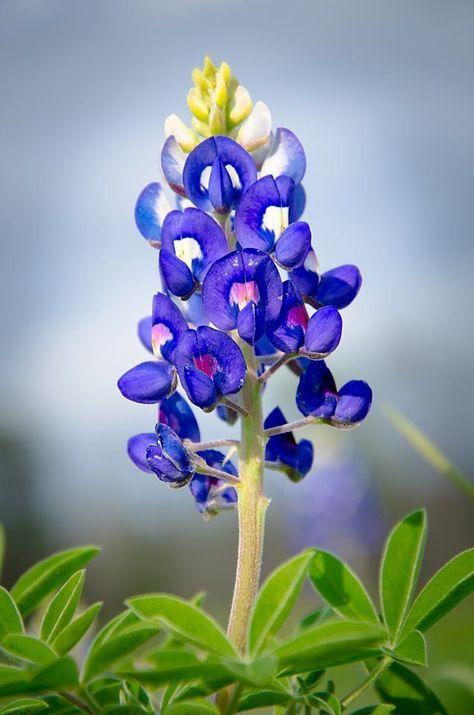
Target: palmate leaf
74, 631
401, 687
10, 618
341, 588
276, 599
453, 582
185, 620
400, 567
44, 577
24, 705
62, 607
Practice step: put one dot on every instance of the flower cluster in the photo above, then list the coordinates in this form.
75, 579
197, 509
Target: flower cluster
242, 294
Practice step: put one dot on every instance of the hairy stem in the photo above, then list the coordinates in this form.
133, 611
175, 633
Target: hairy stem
370, 680
282, 360
290, 426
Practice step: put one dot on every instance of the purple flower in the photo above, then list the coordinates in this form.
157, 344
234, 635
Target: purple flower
337, 287
164, 454
175, 412
212, 494
292, 457
210, 364
172, 164
216, 173
190, 242
243, 290
148, 382
318, 396
167, 326
295, 332
150, 211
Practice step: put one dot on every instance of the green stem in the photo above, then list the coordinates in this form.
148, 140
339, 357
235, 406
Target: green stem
370, 680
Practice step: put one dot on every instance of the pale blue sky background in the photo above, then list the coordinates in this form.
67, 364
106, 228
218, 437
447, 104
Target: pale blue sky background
380, 93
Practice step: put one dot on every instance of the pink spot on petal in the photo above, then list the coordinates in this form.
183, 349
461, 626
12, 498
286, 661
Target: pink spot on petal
207, 364
160, 334
242, 293
298, 316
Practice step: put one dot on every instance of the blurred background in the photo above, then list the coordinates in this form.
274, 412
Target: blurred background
381, 95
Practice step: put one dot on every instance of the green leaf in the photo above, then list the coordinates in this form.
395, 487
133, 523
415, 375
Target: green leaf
10, 619
60, 675
259, 672
410, 650
2, 547
184, 619
264, 699
118, 647
178, 667
326, 702
58, 705
62, 607
328, 644
453, 582
428, 450
198, 707
276, 599
47, 575
341, 588
25, 705
28, 648
124, 710
314, 617
407, 692
400, 567
74, 631
381, 709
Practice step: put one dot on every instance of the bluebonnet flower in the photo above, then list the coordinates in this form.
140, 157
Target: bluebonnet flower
212, 494
151, 210
149, 382
175, 412
338, 286
292, 457
210, 365
317, 395
164, 454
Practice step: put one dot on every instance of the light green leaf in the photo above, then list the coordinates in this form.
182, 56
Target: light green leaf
124, 710
201, 707
2, 547
381, 709
264, 699
259, 672
328, 644
400, 567
276, 599
185, 620
47, 575
428, 450
10, 619
341, 588
314, 617
407, 692
62, 607
28, 648
453, 582
178, 667
60, 675
25, 705
411, 650
100, 658
328, 705
12, 680
74, 631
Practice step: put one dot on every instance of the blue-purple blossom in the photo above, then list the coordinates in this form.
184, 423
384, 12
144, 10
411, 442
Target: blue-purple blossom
210, 365
150, 211
175, 412
167, 326
149, 382
338, 286
285, 156
317, 395
164, 454
212, 494
292, 457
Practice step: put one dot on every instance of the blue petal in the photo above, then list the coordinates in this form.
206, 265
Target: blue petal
172, 163
210, 493
250, 323
288, 331
177, 276
294, 458
230, 154
293, 245
355, 399
286, 156
221, 190
316, 393
151, 210
168, 325
263, 212
199, 387
173, 448
136, 448
175, 412
298, 203
306, 277
148, 382
339, 286
323, 333
144, 332
227, 414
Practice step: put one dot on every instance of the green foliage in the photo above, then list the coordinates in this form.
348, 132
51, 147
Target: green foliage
167, 655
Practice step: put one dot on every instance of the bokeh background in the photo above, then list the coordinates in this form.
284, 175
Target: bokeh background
381, 95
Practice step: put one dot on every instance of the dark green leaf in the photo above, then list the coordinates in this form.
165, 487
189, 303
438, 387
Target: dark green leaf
124, 710
57, 705
184, 619
276, 599
326, 702
12, 680
259, 672
179, 667
381, 709
60, 675
47, 575
341, 588
10, 619
117, 648
264, 699
28, 648
2, 547
201, 707
62, 607
410, 650
400, 567
314, 617
329, 644
23, 706
407, 692
74, 631
453, 582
